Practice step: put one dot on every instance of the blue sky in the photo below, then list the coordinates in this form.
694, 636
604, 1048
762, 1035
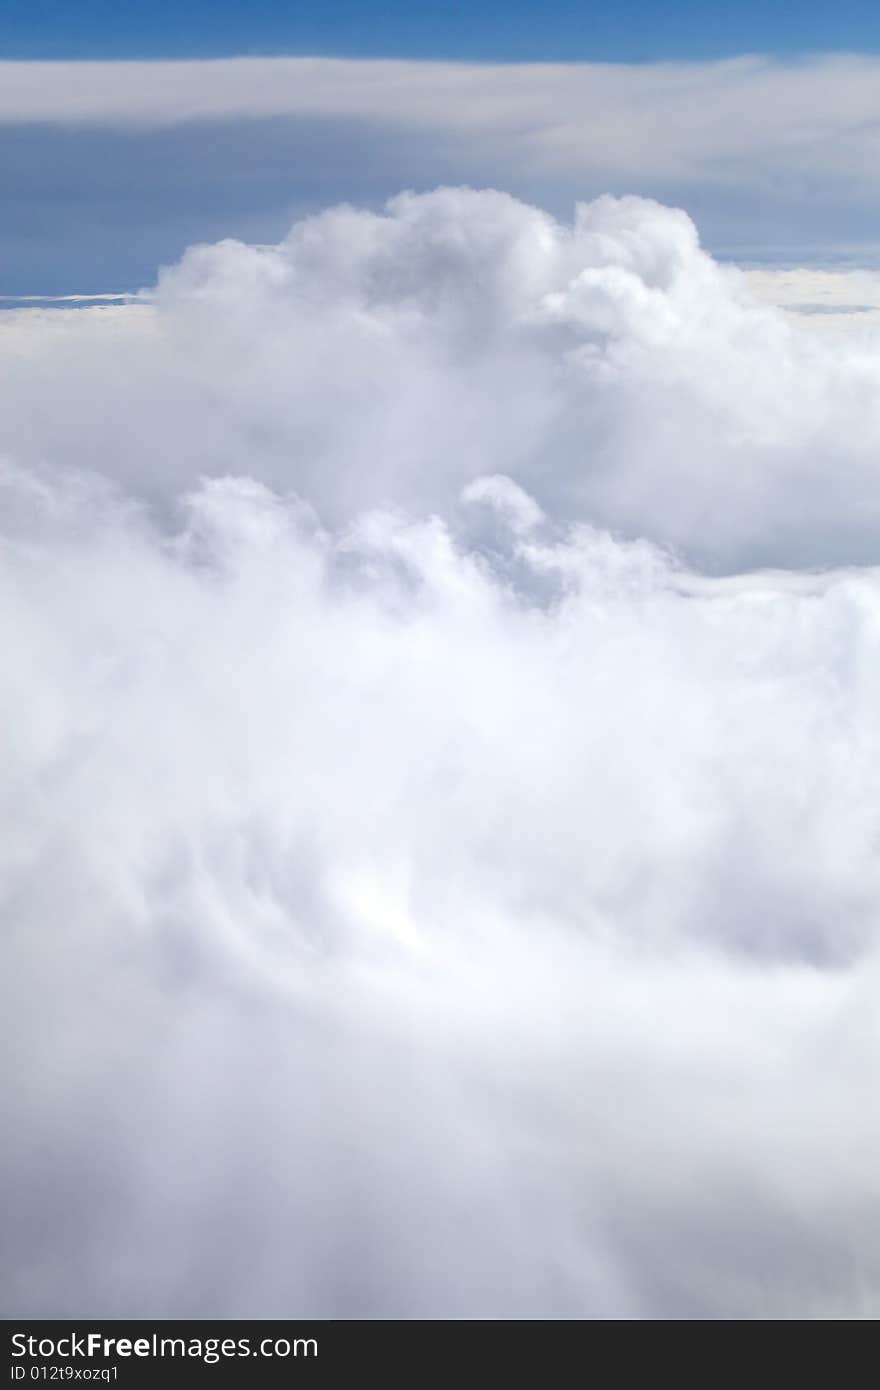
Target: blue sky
628, 30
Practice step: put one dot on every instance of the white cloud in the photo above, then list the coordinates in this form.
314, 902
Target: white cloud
611, 368
421, 901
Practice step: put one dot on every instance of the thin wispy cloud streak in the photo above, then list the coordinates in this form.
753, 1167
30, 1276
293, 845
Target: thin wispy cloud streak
759, 117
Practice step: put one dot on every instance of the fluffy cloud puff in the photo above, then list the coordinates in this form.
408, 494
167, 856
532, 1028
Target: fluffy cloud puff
421, 900
611, 368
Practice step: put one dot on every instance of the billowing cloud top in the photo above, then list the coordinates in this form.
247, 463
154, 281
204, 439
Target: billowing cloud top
440, 832
610, 367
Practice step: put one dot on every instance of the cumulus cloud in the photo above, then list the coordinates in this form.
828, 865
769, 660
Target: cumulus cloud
609, 366
440, 868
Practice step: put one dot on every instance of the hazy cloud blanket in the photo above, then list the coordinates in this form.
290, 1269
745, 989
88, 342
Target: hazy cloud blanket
441, 782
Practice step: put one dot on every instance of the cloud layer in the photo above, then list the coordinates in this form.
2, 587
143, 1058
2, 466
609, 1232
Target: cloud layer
579, 115
422, 901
